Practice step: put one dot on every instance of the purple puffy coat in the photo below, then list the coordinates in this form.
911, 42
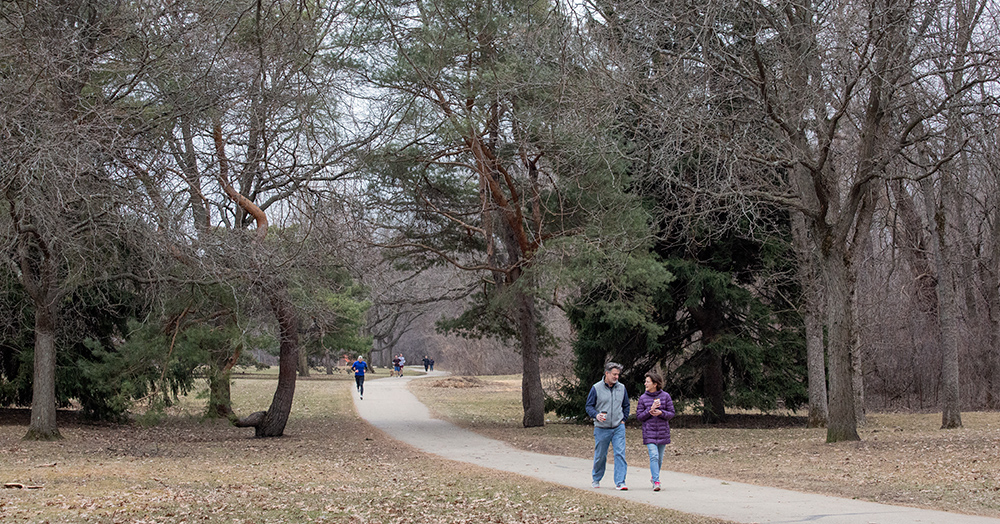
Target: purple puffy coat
655, 430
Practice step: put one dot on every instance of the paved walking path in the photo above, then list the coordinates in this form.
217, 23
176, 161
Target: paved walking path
390, 406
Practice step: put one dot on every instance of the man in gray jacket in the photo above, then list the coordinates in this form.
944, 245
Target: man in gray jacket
607, 404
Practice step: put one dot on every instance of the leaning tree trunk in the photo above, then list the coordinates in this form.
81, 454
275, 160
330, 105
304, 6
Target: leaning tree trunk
43, 390
274, 421
271, 423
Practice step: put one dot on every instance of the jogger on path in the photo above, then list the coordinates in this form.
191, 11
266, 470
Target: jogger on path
359, 367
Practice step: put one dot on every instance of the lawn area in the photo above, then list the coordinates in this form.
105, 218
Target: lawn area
902, 459
329, 467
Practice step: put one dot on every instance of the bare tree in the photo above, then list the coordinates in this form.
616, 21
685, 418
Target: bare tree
70, 215
828, 82
248, 135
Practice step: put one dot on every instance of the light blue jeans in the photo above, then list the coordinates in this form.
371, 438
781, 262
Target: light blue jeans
655, 459
616, 438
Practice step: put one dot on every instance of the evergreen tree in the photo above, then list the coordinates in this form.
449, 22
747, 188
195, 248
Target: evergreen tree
498, 165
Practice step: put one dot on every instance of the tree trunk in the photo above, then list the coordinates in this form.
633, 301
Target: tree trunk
712, 378
271, 423
812, 318
954, 255
43, 391
858, 381
276, 417
38, 276
303, 364
714, 389
219, 392
839, 288
532, 393
992, 292
948, 319
816, 366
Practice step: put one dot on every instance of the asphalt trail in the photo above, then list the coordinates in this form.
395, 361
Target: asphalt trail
389, 406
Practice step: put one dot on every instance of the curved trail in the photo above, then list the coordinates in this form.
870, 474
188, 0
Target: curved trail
389, 406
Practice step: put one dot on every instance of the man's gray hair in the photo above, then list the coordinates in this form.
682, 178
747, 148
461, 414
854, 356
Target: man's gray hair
612, 365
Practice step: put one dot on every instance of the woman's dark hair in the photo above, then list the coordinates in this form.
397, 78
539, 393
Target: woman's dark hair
656, 378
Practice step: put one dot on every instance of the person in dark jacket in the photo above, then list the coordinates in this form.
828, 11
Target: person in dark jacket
607, 404
655, 409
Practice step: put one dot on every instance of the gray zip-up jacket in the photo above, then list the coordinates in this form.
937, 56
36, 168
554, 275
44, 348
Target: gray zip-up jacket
613, 400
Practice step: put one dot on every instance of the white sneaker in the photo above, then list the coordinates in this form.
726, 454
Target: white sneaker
595, 484
621, 487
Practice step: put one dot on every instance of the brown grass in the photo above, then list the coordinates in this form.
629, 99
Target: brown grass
902, 459
330, 467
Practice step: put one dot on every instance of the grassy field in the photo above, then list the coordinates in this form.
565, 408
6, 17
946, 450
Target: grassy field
329, 467
902, 458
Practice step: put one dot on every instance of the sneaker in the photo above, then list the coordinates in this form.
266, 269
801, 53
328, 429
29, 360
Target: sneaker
595, 484
361, 397
656, 486
621, 487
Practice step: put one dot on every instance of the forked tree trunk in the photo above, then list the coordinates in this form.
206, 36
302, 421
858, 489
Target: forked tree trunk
270, 423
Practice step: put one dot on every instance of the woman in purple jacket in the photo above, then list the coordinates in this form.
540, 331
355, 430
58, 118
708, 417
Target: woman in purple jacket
655, 409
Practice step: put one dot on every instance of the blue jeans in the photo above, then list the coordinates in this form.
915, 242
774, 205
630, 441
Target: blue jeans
616, 438
655, 459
